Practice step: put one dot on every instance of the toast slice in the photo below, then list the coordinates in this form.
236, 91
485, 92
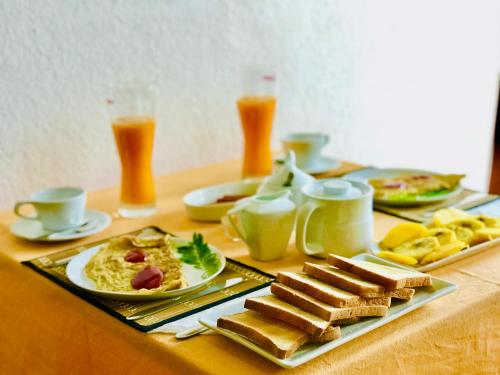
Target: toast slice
279, 338
389, 277
353, 283
273, 307
322, 309
327, 293
344, 280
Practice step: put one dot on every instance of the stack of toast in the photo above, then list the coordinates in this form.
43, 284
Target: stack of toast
310, 307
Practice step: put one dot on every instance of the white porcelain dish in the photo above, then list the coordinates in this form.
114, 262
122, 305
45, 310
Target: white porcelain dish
32, 230
75, 271
365, 174
200, 203
310, 351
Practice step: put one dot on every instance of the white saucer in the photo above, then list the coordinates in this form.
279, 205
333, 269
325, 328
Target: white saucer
323, 165
32, 230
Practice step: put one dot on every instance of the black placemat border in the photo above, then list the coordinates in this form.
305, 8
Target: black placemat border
87, 296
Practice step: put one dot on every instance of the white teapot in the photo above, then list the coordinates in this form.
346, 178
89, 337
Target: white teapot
265, 223
336, 217
288, 177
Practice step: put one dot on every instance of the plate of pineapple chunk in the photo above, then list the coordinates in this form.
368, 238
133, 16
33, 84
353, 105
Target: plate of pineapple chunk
452, 234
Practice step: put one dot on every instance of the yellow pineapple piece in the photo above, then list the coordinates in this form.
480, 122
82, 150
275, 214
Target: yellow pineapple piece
444, 251
402, 233
471, 224
489, 221
485, 234
418, 248
444, 235
443, 217
464, 234
398, 258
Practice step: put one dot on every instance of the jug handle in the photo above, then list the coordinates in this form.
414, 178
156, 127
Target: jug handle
303, 222
231, 214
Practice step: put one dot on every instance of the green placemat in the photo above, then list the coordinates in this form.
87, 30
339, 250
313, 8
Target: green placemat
53, 267
464, 201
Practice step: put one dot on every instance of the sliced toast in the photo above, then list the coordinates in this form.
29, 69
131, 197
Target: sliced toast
353, 283
322, 309
288, 313
277, 337
327, 293
344, 280
389, 277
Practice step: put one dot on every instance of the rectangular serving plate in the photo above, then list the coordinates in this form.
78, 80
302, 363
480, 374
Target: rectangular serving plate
450, 259
308, 352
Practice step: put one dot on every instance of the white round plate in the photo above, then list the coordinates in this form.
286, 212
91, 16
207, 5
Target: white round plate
32, 229
365, 174
75, 271
322, 165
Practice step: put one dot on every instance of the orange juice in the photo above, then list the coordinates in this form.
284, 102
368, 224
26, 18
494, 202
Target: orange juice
134, 136
257, 114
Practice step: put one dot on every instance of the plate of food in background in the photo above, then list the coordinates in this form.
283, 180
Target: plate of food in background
452, 234
409, 187
212, 202
147, 266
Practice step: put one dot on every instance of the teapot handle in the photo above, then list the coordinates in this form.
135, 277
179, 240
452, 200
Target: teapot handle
232, 214
302, 223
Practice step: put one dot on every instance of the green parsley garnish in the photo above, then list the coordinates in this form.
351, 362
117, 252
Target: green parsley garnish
198, 254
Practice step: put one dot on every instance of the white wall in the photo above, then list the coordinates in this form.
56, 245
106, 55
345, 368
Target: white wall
395, 83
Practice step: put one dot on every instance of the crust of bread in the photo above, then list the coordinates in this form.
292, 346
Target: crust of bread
288, 313
403, 293
389, 277
347, 321
322, 309
330, 334
327, 293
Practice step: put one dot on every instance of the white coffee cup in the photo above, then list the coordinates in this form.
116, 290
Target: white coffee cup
56, 208
307, 146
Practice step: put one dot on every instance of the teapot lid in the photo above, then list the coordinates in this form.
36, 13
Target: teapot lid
336, 188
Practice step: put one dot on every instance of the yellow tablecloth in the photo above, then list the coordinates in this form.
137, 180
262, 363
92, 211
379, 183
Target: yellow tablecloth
45, 329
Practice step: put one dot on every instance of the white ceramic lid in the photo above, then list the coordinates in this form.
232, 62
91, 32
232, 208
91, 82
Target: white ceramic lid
336, 189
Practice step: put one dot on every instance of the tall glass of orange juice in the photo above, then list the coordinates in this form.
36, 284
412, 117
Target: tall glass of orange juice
256, 108
133, 123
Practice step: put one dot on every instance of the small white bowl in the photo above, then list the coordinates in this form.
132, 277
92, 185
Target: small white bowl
200, 203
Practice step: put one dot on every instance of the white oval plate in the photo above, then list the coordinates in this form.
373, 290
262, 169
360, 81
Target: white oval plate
365, 174
375, 249
75, 271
